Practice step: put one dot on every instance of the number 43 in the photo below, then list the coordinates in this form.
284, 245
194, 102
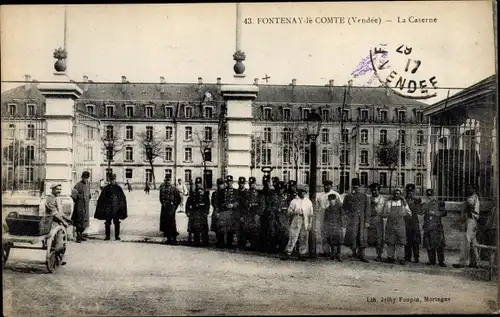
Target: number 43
416, 65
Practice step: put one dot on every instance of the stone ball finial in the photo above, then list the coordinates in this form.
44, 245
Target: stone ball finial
60, 54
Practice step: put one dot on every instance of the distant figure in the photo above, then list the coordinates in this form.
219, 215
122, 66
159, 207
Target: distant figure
146, 188
111, 206
184, 192
81, 197
127, 184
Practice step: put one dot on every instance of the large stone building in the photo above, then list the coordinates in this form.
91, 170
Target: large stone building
184, 120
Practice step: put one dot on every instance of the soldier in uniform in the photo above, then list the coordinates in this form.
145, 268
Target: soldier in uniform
242, 197
170, 199
216, 201
227, 225
280, 220
265, 193
413, 236
253, 206
197, 209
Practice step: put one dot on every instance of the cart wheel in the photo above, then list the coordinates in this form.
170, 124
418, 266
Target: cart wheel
5, 253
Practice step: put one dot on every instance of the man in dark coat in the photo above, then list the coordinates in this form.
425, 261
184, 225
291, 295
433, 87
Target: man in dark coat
413, 236
81, 197
170, 200
333, 226
279, 220
226, 225
266, 193
250, 216
358, 211
111, 206
242, 205
216, 201
434, 240
197, 209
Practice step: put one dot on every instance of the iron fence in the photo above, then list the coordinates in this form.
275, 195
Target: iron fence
86, 148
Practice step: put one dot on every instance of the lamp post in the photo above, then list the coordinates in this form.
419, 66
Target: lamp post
313, 128
205, 145
109, 158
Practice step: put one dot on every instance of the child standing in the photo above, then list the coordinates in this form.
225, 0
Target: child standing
332, 227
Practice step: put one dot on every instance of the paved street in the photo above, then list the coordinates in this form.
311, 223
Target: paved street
117, 278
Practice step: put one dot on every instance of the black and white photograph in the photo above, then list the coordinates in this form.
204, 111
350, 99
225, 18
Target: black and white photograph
299, 158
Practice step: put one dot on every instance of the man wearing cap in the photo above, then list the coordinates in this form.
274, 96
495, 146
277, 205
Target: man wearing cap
111, 206
291, 190
197, 209
278, 219
358, 211
242, 197
413, 236
53, 207
216, 201
81, 197
322, 202
252, 208
170, 199
226, 218
377, 222
301, 212
434, 241
333, 226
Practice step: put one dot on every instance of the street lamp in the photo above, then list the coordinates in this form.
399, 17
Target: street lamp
313, 128
205, 145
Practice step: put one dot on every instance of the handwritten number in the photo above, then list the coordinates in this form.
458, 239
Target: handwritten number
406, 51
407, 65
415, 68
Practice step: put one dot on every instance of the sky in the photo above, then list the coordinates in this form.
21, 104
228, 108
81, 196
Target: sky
185, 41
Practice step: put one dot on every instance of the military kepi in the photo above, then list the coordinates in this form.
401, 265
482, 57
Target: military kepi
327, 182
241, 180
229, 178
251, 180
375, 186
220, 181
85, 174
410, 187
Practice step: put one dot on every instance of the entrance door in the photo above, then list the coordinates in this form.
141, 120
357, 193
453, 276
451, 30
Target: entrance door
208, 179
344, 182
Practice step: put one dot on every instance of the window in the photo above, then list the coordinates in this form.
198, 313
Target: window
12, 110
168, 154
324, 156
208, 133
403, 158
286, 176
420, 137
344, 157
109, 154
364, 157
286, 155
419, 159
383, 179
169, 112
128, 173
187, 176
188, 154
208, 112
109, 132
266, 156
325, 114
364, 179
89, 133
383, 115
149, 133
129, 153
364, 136
345, 136
129, 132
31, 132
30, 153
305, 156
267, 113
324, 176
30, 110
90, 109
287, 114
110, 111
149, 112
345, 114
188, 133
188, 112
383, 137
168, 173
364, 115
169, 131
208, 154
325, 135
401, 115
89, 153
12, 130
305, 113
267, 135
402, 136
287, 135
129, 111
149, 175
418, 179
401, 179
420, 116
306, 177
29, 174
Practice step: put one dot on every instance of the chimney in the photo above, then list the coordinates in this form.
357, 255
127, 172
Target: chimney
27, 78
86, 82
387, 91
256, 81
219, 80
200, 80
124, 81
349, 83
294, 82
85, 78
330, 85
162, 80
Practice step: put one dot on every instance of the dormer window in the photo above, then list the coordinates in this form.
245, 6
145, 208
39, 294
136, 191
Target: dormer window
208, 112
12, 110
325, 113
188, 112
90, 109
305, 113
149, 111
207, 97
287, 114
267, 114
169, 112
110, 111
364, 114
383, 115
129, 111
30, 110
401, 115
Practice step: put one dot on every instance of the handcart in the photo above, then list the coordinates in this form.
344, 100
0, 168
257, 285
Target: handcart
36, 233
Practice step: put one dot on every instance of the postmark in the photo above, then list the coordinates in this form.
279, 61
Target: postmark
398, 68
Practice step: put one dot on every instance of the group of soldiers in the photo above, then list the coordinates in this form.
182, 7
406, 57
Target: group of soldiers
261, 219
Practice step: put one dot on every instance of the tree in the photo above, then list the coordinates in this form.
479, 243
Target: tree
152, 147
292, 143
17, 154
256, 143
112, 144
205, 140
388, 154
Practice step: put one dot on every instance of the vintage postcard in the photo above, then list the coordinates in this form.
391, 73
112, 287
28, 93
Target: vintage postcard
250, 158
